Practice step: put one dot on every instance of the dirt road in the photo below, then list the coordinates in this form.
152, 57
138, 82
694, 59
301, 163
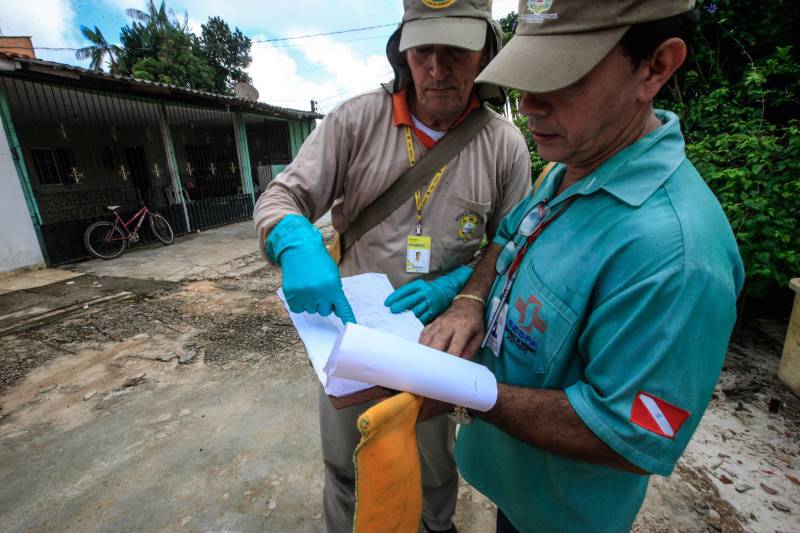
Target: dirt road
190, 410
189, 406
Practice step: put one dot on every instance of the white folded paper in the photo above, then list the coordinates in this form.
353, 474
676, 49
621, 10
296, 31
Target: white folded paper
366, 294
367, 355
383, 350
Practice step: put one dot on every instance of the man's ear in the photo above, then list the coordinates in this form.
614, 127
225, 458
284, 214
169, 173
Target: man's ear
657, 70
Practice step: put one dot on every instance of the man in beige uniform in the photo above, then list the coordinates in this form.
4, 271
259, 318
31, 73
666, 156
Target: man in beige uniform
348, 161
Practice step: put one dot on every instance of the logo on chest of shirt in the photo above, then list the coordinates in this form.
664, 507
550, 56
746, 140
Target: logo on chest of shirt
529, 314
468, 224
520, 332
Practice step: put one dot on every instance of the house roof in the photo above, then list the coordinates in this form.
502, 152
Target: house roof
19, 66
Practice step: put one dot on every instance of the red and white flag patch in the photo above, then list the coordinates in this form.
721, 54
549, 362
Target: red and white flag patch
658, 416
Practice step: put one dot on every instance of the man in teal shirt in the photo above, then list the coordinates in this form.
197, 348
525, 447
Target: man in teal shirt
611, 289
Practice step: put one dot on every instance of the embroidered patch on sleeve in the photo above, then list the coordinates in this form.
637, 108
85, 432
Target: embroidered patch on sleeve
658, 416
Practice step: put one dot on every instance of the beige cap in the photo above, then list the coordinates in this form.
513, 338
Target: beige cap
455, 11
460, 23
557, 42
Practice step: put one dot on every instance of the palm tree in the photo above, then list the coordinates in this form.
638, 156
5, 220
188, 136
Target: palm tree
98, 50
158, 17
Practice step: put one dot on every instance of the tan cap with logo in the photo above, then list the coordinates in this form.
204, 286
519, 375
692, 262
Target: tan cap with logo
558, 41
460, 23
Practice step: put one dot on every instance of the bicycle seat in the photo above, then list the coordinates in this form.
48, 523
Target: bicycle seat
113, 207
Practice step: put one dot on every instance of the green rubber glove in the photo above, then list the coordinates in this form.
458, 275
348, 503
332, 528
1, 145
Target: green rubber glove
429, 299
311, 280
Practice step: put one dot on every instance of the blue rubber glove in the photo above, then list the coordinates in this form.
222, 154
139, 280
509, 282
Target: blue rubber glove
429, 299
311, 280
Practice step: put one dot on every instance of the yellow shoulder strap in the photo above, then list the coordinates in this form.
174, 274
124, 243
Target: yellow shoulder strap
545, 171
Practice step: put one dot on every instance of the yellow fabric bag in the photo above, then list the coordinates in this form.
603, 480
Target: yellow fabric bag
335, 248
388, 473
542, 175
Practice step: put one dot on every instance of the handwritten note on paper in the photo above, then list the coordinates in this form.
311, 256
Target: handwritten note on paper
366, 294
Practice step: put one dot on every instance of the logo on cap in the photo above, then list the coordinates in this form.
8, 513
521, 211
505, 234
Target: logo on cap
439, 4
538, 12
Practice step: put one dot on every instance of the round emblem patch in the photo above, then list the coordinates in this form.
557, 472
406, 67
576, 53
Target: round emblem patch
538, 7
438, 4
467, 225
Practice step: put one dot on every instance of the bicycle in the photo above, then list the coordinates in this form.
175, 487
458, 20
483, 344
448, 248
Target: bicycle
108, 240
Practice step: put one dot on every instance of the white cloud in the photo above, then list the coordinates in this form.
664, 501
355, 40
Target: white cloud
275, 75
195, 26
351, 73
340, 73
501, 8
50, 23
291, 74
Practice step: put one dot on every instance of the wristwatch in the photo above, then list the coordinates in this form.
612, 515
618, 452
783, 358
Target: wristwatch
460, 415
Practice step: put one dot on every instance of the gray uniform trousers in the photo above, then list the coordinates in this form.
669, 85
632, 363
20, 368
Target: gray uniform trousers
340, 436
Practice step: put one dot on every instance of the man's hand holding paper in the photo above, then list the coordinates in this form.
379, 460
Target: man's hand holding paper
384, 350
311, 280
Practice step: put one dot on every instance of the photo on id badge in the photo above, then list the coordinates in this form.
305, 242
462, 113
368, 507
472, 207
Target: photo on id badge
418, 255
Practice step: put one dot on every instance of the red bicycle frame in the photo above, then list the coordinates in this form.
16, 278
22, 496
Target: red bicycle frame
140, 214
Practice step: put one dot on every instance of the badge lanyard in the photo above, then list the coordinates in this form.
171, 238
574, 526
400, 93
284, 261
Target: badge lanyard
544, 221
421, 200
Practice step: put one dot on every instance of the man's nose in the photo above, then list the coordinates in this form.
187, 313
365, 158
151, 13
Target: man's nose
440, 64
534, 104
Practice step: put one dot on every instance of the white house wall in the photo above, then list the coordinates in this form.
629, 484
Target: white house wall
19, 246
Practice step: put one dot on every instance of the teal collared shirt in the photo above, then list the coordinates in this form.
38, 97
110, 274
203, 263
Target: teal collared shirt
626, 302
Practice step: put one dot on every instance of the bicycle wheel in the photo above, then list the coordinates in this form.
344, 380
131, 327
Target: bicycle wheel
161, 228
105, 240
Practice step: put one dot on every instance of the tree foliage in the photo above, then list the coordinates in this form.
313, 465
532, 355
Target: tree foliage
158, 46
98, 50
176, 62
156, 17
227, 52
738, 100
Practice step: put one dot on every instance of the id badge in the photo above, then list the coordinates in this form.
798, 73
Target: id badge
418, 254
494, 338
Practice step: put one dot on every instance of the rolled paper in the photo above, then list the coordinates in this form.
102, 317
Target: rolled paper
371, 356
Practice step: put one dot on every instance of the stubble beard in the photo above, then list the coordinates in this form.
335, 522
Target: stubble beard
440, 110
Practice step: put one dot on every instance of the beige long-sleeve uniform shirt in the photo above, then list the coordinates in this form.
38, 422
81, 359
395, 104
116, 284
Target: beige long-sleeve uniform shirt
357, 152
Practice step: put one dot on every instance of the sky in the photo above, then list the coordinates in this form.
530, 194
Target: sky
327, 69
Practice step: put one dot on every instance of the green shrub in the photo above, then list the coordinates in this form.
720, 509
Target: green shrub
738, 99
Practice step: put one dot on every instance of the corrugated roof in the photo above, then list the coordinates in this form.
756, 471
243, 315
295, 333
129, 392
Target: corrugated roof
58, 71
